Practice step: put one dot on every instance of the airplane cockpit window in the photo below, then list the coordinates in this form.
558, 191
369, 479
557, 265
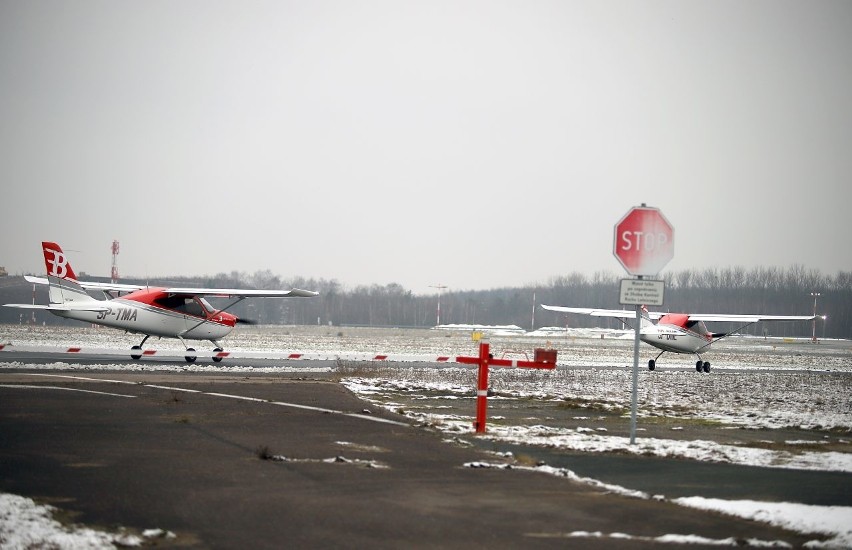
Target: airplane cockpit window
183, 304
192, 307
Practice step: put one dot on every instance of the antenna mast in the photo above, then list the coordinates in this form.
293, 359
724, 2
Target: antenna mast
114, 273
440, 288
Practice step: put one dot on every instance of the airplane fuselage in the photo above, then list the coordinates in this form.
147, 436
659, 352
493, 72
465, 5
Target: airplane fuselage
137, 317
674, 338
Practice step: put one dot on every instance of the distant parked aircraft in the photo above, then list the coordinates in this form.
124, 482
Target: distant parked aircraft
181, 313
679, 332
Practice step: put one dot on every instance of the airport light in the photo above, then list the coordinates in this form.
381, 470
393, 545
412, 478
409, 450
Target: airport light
813, 321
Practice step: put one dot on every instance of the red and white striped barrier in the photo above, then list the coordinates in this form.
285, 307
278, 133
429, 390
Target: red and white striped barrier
237, 354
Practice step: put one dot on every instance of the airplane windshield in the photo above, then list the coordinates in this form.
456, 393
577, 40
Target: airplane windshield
206, 305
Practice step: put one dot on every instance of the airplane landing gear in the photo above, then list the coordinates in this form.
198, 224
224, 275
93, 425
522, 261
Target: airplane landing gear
188, 358
652, 363
136, 351
216, 358
700, 365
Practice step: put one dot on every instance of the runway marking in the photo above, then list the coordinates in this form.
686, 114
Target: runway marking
186, 390
78, 378
28, 387
310, 408
360, 416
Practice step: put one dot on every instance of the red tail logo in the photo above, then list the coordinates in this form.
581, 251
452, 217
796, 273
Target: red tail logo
56, 263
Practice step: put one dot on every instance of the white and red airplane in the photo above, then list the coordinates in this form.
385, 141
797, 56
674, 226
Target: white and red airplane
181, 313
679, 332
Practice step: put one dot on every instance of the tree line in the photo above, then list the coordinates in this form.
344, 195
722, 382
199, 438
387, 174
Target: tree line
767, 290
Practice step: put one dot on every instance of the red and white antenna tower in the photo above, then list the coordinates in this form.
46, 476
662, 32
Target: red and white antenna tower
440, 288
114, 274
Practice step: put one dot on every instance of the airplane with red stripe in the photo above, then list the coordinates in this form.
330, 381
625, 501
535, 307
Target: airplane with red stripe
170, 312
683, 333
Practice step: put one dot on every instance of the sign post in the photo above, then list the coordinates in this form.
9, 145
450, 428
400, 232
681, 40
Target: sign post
643, 243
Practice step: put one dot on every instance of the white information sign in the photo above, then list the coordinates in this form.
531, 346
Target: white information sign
642, 292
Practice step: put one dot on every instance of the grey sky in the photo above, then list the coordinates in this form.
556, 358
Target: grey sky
475, 144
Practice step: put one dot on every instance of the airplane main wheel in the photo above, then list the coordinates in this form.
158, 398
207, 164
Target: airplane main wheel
706, 366
216, 358
190, 358
699, 365
136, 356
651, 364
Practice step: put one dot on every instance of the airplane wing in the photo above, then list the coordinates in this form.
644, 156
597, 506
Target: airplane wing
213, 292
243, 293
626, 313
597, 312
747, 318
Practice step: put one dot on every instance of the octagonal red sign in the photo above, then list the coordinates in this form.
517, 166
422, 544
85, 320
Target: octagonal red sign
644, 241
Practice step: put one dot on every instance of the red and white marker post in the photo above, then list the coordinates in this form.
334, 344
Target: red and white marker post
485, 360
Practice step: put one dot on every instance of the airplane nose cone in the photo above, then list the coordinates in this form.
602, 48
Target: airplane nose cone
228, 319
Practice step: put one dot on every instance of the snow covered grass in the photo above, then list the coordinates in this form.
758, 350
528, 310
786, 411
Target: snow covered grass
764, 403
576, 348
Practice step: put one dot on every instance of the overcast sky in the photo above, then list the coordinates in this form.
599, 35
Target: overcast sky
474, 144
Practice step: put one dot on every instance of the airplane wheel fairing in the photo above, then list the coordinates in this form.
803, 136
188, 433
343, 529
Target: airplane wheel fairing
706, 366
190, 358
136, 356
652, 364
217, 359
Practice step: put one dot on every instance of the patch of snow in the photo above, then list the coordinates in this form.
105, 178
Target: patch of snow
834, 522
25, 524
831, 521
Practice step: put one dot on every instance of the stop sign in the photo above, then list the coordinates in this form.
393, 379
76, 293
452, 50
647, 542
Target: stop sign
644, 241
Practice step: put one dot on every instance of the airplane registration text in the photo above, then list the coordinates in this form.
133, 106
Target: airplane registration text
120, 314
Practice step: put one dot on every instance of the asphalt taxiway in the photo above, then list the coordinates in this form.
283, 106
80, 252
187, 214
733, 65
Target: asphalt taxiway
265, 460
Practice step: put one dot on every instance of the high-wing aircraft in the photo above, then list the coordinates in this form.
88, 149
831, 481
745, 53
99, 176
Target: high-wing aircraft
679, 332
181, 313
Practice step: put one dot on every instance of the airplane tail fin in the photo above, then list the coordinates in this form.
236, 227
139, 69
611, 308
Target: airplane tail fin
63, 286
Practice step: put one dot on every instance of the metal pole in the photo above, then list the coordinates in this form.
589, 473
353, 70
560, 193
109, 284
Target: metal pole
634, 398
532, 323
